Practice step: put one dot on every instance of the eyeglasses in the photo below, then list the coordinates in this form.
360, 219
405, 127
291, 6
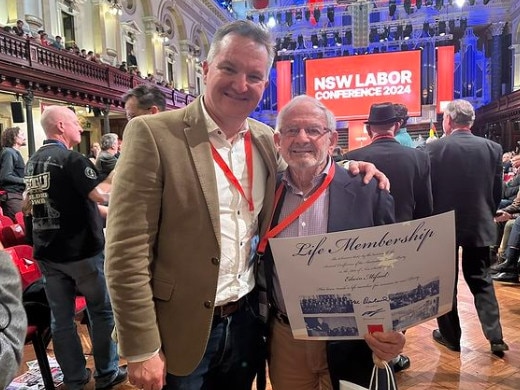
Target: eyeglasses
133, 115
311, 132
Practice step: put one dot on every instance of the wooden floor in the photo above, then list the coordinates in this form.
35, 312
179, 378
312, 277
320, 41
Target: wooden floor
435, 367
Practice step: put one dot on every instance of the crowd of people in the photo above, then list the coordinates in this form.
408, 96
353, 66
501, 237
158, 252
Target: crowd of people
42, 37
179, 278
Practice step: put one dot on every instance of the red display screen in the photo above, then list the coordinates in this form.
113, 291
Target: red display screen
348, 86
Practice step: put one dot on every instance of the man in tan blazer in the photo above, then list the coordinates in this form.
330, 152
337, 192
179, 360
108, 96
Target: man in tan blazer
194, 190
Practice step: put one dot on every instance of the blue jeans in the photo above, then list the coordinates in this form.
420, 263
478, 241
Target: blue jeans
514, 236
62, 282
234, 354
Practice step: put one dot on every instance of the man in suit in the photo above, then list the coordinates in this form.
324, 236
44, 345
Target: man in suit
408, 170
106, 160
334, 200
467, 177
183, 226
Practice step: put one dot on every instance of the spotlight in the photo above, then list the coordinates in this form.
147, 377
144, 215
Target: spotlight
408, 6
463, 24
374, 36
442, 28
324, 40
286, 43
348, 37
399, 32
451, 25
271, 22
426, 29
278, 44
392, 35
383, 34
307, 14
330, 14
288, 18
279, 18
407, 33
301, 43
314, 41
392, 6
316, 13
337, 39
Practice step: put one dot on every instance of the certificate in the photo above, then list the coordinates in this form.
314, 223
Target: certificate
339, 286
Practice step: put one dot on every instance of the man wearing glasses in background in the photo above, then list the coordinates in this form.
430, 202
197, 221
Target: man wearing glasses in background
144, 99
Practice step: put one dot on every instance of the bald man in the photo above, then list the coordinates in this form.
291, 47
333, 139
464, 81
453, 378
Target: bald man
64, 190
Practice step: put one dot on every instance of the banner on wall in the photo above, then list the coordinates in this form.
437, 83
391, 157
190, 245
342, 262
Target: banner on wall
348, 86
445, 76
283, 83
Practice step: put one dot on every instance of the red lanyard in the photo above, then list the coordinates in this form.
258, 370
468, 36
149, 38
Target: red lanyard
248, 148
296, 212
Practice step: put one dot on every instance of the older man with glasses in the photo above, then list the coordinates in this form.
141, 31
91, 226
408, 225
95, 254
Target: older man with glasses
319, 197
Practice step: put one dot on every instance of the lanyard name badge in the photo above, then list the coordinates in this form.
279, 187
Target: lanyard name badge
296, 212
248, 148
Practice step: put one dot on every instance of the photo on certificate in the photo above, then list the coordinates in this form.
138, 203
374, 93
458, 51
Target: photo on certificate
342, 285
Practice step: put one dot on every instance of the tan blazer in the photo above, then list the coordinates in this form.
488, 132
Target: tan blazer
163, 234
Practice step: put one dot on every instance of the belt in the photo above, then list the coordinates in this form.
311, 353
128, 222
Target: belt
280, 316
229, 308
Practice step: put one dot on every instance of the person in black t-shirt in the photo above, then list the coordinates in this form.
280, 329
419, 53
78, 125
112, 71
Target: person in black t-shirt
11, 171
64, 190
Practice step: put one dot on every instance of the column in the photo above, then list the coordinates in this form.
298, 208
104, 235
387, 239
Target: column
187, 65
106, 119
515, 53
150, 32
32, 12
496, 30
514, 27
28, 98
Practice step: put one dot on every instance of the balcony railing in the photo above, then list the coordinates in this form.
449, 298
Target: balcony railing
27, 62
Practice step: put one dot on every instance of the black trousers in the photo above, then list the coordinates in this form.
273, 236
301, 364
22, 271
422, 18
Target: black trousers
11, 204
475, 265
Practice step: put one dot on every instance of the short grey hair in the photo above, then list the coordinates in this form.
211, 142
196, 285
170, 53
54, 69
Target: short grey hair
108, 141
243, 28
329, 115
461, 112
